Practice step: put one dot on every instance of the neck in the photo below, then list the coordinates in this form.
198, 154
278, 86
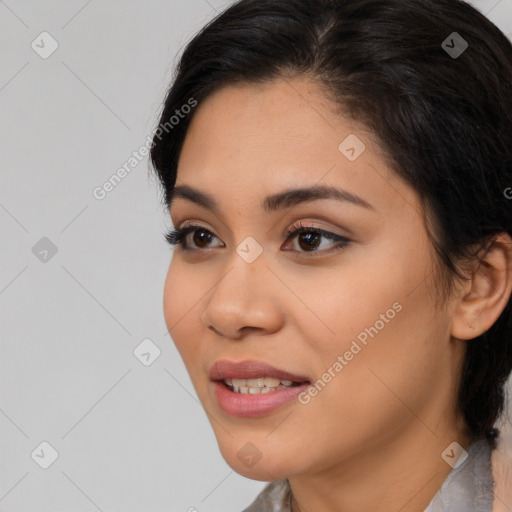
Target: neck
404, 475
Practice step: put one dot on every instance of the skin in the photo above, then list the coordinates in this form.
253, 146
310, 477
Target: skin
356, 445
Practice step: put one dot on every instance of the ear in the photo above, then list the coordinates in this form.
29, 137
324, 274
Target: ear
486, 295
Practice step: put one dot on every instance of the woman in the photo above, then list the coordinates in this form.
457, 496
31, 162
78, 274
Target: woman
338, 174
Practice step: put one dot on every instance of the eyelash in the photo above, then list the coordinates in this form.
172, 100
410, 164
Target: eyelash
178, 236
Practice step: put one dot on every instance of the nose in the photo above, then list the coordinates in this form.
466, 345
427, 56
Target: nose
244, 300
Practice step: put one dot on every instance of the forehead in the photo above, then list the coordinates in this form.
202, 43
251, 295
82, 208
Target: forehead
246, 141
279, 116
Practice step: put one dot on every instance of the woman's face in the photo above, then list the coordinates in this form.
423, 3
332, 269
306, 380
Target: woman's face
359, 317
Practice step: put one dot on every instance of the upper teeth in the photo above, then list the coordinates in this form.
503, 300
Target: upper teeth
258, 385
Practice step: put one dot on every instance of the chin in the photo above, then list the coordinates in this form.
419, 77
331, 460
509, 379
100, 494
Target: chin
249, 461
260, 471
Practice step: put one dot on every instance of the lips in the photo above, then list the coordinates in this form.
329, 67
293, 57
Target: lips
251, 369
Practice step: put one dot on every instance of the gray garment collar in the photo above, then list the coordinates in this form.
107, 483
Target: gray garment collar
469, 487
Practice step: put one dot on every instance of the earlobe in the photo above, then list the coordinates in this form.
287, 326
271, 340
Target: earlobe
487, 293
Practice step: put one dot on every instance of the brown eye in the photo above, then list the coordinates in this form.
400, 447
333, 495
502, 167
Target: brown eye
309, 240
202, 236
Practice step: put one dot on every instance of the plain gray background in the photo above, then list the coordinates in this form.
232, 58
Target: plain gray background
81, 279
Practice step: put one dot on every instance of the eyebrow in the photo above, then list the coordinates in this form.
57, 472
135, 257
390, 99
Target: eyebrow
280, 201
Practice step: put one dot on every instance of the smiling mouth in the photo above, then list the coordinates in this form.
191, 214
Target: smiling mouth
259, 385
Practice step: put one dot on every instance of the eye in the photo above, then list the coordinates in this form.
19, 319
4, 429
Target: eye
309, 238
201, 236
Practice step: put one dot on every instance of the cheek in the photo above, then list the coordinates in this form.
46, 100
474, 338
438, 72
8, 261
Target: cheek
181, 303
173, 290
376, 394
358, 301
380, 319
345, 298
